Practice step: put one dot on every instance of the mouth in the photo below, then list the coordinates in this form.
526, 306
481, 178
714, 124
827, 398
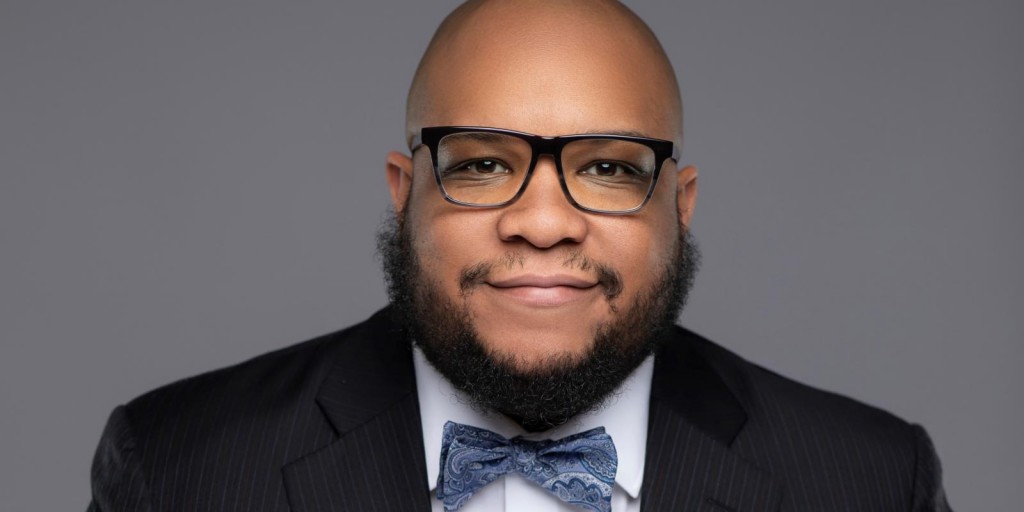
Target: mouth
544, 291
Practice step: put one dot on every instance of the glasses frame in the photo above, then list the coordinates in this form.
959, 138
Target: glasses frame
431, 137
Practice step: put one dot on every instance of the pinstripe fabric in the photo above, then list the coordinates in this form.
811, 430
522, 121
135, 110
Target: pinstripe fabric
117, 454
290, 430
333, 424
734, 436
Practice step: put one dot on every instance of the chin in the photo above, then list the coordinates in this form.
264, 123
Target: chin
532, 349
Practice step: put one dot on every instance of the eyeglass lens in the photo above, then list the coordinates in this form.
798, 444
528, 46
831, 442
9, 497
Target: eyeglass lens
484, 168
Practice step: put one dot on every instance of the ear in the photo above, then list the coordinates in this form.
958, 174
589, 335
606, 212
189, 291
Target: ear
686, 193
399, 174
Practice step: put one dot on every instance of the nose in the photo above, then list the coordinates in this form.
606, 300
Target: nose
543, 216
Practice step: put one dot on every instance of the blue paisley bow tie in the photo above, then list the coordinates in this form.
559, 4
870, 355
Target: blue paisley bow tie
578, 469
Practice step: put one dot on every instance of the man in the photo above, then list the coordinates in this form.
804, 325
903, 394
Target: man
529, 359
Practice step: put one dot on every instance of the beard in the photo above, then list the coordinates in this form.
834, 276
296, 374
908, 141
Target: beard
549, 394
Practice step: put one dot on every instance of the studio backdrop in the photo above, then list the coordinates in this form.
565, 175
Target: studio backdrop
184, 185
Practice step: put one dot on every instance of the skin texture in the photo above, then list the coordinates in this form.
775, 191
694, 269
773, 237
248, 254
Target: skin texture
548, 68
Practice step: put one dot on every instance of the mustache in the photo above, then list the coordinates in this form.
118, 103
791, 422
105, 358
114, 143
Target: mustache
609, 279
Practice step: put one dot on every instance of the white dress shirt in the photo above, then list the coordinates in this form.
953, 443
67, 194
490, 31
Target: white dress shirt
624, 419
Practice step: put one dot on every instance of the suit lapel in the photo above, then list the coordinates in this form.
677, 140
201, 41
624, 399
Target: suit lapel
694, 419
376, 462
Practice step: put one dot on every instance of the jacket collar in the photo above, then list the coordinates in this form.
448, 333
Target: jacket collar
685, 382
369, 397
695, 417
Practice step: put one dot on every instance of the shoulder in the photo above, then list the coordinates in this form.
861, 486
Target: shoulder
270, 383
820, 442
268, 400
766, 394
189, 442
223, 436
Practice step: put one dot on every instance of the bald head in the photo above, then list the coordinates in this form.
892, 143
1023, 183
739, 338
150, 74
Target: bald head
551, 67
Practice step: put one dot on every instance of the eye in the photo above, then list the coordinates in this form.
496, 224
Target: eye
482, 166
609, 170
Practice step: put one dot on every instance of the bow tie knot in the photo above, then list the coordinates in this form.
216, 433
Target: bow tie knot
578, 469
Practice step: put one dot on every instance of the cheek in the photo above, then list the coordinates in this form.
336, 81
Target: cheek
447, 241
430, 238
638, 252
640, 247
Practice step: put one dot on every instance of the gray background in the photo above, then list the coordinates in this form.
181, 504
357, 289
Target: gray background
189, 184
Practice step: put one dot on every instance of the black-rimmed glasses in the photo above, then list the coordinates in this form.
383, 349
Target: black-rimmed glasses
491, 167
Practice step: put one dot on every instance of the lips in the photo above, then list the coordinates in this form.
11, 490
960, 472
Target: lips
543, 291
540, 281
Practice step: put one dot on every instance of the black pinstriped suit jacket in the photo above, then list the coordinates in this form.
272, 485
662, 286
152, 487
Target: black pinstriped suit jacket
333, 424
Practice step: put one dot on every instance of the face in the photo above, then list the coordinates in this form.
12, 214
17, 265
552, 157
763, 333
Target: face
538, 283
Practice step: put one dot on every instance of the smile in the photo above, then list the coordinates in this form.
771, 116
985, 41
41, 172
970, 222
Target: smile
544, 291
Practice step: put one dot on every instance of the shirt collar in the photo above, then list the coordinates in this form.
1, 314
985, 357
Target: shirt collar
624, 419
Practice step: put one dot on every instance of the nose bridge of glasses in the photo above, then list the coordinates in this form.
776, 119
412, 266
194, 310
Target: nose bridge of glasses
542, 145
544, 178
545, 168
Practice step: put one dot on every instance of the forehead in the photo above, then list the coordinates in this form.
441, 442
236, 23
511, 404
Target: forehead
550, 75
